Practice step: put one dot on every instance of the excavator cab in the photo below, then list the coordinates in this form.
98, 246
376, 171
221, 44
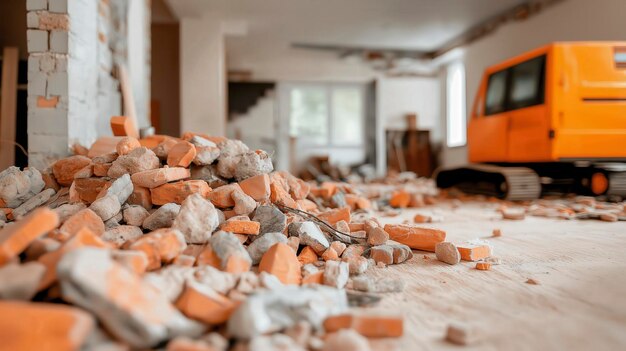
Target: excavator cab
552, 119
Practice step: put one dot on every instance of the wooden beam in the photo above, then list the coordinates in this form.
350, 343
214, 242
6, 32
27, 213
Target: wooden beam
8, 106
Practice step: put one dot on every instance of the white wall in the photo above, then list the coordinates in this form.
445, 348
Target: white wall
202, 76
571, 20
139, 58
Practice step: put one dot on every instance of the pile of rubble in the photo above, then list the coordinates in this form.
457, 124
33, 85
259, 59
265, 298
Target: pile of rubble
190, 243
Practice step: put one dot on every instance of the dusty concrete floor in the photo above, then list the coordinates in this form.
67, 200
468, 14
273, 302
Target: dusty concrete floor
579, 304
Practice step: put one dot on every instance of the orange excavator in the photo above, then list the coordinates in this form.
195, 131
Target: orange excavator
552, 119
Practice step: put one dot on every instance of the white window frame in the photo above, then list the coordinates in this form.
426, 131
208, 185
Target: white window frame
328, 89
456, 120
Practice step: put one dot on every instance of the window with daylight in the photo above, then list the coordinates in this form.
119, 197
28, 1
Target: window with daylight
455, 119
327, 114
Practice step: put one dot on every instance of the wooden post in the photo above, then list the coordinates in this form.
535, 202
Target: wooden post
8, 106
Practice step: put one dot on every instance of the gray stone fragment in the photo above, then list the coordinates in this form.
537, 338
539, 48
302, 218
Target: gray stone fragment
163, 217
86, 278
18, 186
271, 218
310, 234
122, 188
33, 203
135, 215
336, 274
20, 281
66, 211
263, 243
197, 219
447, 252
209, 175
253, 163
106, 207
121, 234
273, 310
138, 160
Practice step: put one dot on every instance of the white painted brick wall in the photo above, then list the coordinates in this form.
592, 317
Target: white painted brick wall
37, 40
59, 6
37, 82
36, 4
48, 121
59, 42
58, 84
32, 19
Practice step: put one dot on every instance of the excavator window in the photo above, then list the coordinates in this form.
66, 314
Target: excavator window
516, 87
496, 93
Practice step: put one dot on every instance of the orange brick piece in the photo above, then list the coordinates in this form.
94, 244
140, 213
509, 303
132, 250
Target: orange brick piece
83, 218
161, 245
241, 227
314, 278
483, 266
307, 255
204, 304
15, 238
181, 154
400, 199
43, 326
123, 126
157, 177
280, 196
415, 237
178, 192
281, 261
474, 252
336, 215
65, 169
52, 102
368, 324
257, 187
221, 197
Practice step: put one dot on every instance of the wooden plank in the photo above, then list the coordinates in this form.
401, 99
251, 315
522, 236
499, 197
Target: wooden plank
8, 106
128, 100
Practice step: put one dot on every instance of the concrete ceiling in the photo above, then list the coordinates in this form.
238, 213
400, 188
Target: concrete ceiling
393, 24
273, 25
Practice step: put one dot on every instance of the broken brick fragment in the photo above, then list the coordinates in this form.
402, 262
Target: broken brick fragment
314, 278
153, 178
415, 237
368, 324
181, 154
65, 169
43, 326
279, 196
123, 126
307, 255
17, 237
222, 197
400, 199
89, 188
257, 187
483, 266
177, 192
85, 218
471, 251
281, 261
202, 303
126, 145
241, 227
161, 245
335, 215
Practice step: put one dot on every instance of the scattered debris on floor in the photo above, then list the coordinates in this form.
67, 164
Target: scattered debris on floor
197, 243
